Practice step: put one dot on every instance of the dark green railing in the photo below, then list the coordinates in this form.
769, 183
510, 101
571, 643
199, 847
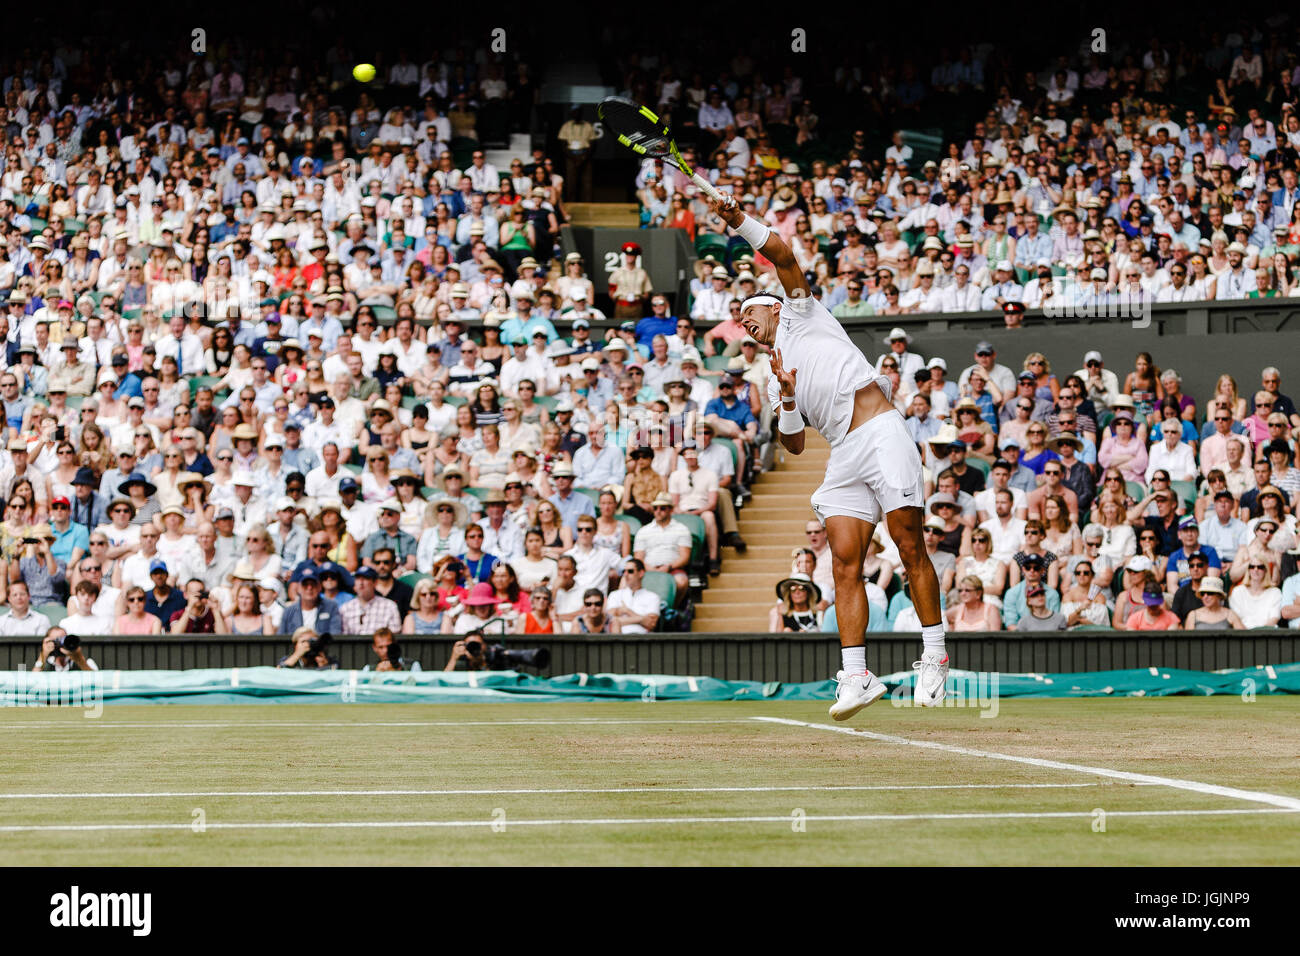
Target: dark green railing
792, 658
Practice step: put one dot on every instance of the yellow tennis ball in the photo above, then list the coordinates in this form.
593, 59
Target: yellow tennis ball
364, 72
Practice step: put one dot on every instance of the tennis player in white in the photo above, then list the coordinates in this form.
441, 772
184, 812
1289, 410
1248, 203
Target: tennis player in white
820, 377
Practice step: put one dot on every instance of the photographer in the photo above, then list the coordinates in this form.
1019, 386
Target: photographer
61, 652
198, 616
389, 653
309, 652
469, 654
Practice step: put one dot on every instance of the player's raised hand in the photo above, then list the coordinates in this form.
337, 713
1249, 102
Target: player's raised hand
786, 379
728, 210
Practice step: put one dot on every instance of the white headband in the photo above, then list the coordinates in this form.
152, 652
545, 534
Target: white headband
761, 299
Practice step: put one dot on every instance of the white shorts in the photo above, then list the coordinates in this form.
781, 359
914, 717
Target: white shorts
876, 469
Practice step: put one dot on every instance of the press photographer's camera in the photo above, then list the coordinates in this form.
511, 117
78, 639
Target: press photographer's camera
497, 658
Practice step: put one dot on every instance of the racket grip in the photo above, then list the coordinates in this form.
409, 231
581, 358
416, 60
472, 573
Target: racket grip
706, 187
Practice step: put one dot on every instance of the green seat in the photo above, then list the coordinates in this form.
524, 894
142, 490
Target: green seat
735, 451
547, 402
1135, 490
632, 521
592, 493
478, 492
1186, 490
456, 400
711, 244
55, 612
717, 363
73, 226
412, 579
130, 314
355, 469
980, 465
428, 491
663, 586
74, 401
384, 313
695, 525
199, 381
38, 224
410, 401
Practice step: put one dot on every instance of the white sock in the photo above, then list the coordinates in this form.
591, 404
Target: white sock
932, 637
854, 659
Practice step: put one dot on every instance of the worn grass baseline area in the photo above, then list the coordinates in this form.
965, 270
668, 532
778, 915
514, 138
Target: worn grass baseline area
1094, 782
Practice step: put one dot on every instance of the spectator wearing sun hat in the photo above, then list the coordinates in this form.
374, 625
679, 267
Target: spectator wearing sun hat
898, 343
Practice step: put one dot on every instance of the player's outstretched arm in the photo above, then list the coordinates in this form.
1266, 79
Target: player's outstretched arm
769, 243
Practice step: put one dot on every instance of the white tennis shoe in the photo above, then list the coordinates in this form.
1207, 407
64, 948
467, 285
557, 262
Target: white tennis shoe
855, 691
931, 685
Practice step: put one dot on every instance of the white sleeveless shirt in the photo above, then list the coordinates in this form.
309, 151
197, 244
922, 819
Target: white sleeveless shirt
830, 367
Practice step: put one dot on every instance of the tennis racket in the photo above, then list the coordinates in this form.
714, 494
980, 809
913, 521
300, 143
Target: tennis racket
645, 133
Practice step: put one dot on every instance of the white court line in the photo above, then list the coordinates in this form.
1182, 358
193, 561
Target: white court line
257, 725
557, 790
1252, 796
622, 821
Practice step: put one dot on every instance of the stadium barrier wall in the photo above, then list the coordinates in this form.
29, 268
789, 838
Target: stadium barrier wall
268, 685
791, 658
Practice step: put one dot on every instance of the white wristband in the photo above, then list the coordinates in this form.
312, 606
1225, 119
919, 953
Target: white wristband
789, 422
754, 232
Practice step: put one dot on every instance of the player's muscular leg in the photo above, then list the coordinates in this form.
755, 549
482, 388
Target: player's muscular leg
848, 539
905, 528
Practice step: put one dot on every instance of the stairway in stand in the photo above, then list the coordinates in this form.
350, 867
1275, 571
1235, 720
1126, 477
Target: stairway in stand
772, 524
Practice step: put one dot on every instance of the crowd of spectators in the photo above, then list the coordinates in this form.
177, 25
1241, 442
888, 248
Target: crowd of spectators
277, 361
1157, 175
283, 352
1081, 182
1079, 499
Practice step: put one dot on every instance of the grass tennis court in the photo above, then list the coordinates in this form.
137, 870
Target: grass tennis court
664, 783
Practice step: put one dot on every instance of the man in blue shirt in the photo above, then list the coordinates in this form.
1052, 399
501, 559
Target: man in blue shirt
730, 417
1014, 605
1189, 533
597, 463
570, 505
658, 322
71, 541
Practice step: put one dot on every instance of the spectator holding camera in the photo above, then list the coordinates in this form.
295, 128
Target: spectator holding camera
309, 652
201, 615
61, 652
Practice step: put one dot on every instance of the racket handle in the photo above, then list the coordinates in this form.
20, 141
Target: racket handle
706, 187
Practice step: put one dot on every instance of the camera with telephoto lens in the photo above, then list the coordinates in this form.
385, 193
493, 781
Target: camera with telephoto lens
394, 654
67, 644
316, 645
498, 658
